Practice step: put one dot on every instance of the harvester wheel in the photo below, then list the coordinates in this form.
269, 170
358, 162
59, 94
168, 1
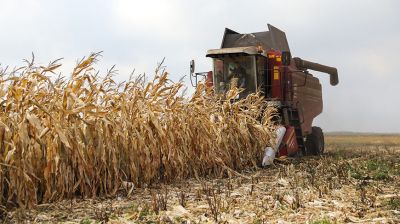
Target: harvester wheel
315, 142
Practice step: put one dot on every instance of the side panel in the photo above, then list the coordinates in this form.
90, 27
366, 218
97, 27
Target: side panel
289, 143
307, 98
275, 74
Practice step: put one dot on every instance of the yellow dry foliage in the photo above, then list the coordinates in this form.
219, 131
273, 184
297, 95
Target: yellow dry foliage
89, 136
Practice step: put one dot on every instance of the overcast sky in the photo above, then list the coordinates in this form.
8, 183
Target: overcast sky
360, 38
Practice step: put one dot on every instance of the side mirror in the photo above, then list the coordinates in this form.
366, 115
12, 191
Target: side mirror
286, 58
192, 66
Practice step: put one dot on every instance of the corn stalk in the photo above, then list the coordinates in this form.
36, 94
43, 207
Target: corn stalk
89, 136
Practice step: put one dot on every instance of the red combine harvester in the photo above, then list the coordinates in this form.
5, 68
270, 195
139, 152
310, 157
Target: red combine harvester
262, 62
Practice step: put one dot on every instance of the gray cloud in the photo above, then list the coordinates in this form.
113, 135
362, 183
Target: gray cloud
359, 37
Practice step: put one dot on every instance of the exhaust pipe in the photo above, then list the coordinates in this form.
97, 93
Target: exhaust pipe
303, 65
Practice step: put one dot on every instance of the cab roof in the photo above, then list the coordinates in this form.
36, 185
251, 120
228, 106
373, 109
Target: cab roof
213, 53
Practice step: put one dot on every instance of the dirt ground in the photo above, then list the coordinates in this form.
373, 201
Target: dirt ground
357, 180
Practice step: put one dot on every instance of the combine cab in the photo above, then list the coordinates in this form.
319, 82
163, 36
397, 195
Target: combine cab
262, 62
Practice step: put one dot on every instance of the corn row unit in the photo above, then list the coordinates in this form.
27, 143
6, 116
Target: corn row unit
88, 136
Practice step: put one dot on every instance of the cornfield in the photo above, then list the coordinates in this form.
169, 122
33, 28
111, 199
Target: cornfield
89, 136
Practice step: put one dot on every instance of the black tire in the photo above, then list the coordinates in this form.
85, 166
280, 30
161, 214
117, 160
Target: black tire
315, 142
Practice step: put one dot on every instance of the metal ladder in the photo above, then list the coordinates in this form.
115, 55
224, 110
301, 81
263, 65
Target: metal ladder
294, 120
